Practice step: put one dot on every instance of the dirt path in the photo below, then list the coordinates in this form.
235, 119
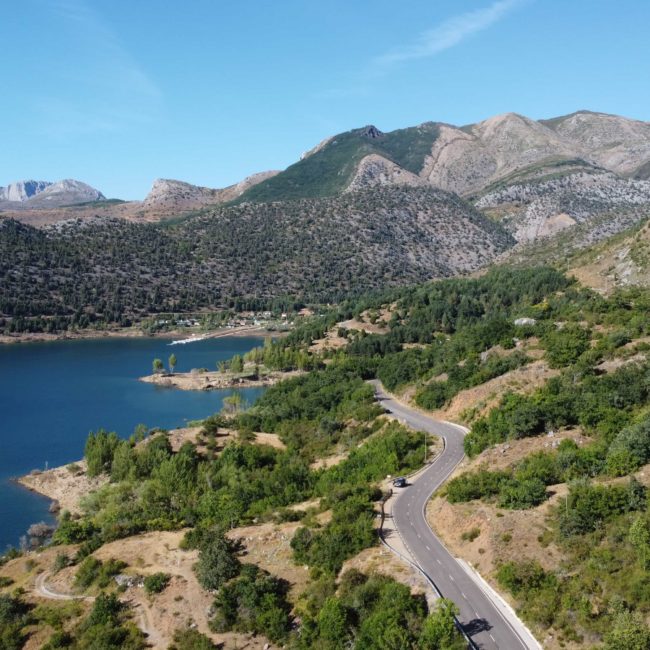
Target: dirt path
42, 589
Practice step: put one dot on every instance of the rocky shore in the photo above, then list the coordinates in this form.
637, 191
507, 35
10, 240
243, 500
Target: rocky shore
215, 380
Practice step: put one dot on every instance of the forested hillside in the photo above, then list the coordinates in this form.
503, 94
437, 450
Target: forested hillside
114, 272
570, 461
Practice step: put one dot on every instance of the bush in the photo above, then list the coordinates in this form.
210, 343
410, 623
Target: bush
521, 494
253, 602
92, 570
564, 346
588, 506
191, 639
349, 532
476, 485
156, 583
630, 449
13, 616
60, 562
470, 535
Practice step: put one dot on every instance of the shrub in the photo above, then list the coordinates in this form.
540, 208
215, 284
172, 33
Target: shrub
476, 485
526, 493
92, 570
630, 449
156, 583
253, 602
60, 562
349, 532
565, 345
470, 535
191, 639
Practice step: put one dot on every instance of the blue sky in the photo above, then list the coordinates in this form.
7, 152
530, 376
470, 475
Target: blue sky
117, 93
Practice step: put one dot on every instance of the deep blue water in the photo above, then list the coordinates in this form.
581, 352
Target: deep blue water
53, 394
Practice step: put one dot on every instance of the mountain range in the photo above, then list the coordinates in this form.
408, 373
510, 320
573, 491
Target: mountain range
539, 176
361, 210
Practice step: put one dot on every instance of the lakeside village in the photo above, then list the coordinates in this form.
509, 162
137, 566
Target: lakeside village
229, 320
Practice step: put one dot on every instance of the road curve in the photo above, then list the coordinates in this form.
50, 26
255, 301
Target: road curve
483, 623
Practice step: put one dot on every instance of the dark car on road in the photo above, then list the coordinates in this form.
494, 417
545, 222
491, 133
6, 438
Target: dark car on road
399, 482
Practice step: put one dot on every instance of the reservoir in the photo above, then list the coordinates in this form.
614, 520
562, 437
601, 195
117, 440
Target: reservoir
52, 394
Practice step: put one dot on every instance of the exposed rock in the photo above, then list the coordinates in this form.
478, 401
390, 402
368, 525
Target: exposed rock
469, 159
167, 192
371, 132
376, 170
178, 196
538, 209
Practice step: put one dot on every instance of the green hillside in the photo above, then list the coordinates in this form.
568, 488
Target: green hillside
329, 170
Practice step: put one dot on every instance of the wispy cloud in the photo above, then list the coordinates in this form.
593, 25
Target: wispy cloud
448, 34
106, 90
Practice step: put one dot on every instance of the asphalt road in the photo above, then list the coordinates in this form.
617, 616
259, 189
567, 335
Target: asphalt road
486, 626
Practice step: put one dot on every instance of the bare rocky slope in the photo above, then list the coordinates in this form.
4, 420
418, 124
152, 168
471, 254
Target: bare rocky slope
542, 207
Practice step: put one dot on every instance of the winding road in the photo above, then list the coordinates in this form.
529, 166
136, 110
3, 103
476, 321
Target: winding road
488, 623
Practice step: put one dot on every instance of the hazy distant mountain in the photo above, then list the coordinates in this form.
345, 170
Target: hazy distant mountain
22, 190
40, 203
44, 194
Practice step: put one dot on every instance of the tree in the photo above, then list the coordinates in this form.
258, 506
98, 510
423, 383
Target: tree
157, 366
99, 451
629, 632
237, 363
332, 624
172, 362
217, 562
439, 631
639, 537
233, 403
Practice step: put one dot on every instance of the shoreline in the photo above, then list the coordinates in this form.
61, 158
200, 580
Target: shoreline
214, 380
64, 485
183, 336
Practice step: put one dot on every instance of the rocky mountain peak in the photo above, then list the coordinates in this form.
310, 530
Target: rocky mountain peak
371, 132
